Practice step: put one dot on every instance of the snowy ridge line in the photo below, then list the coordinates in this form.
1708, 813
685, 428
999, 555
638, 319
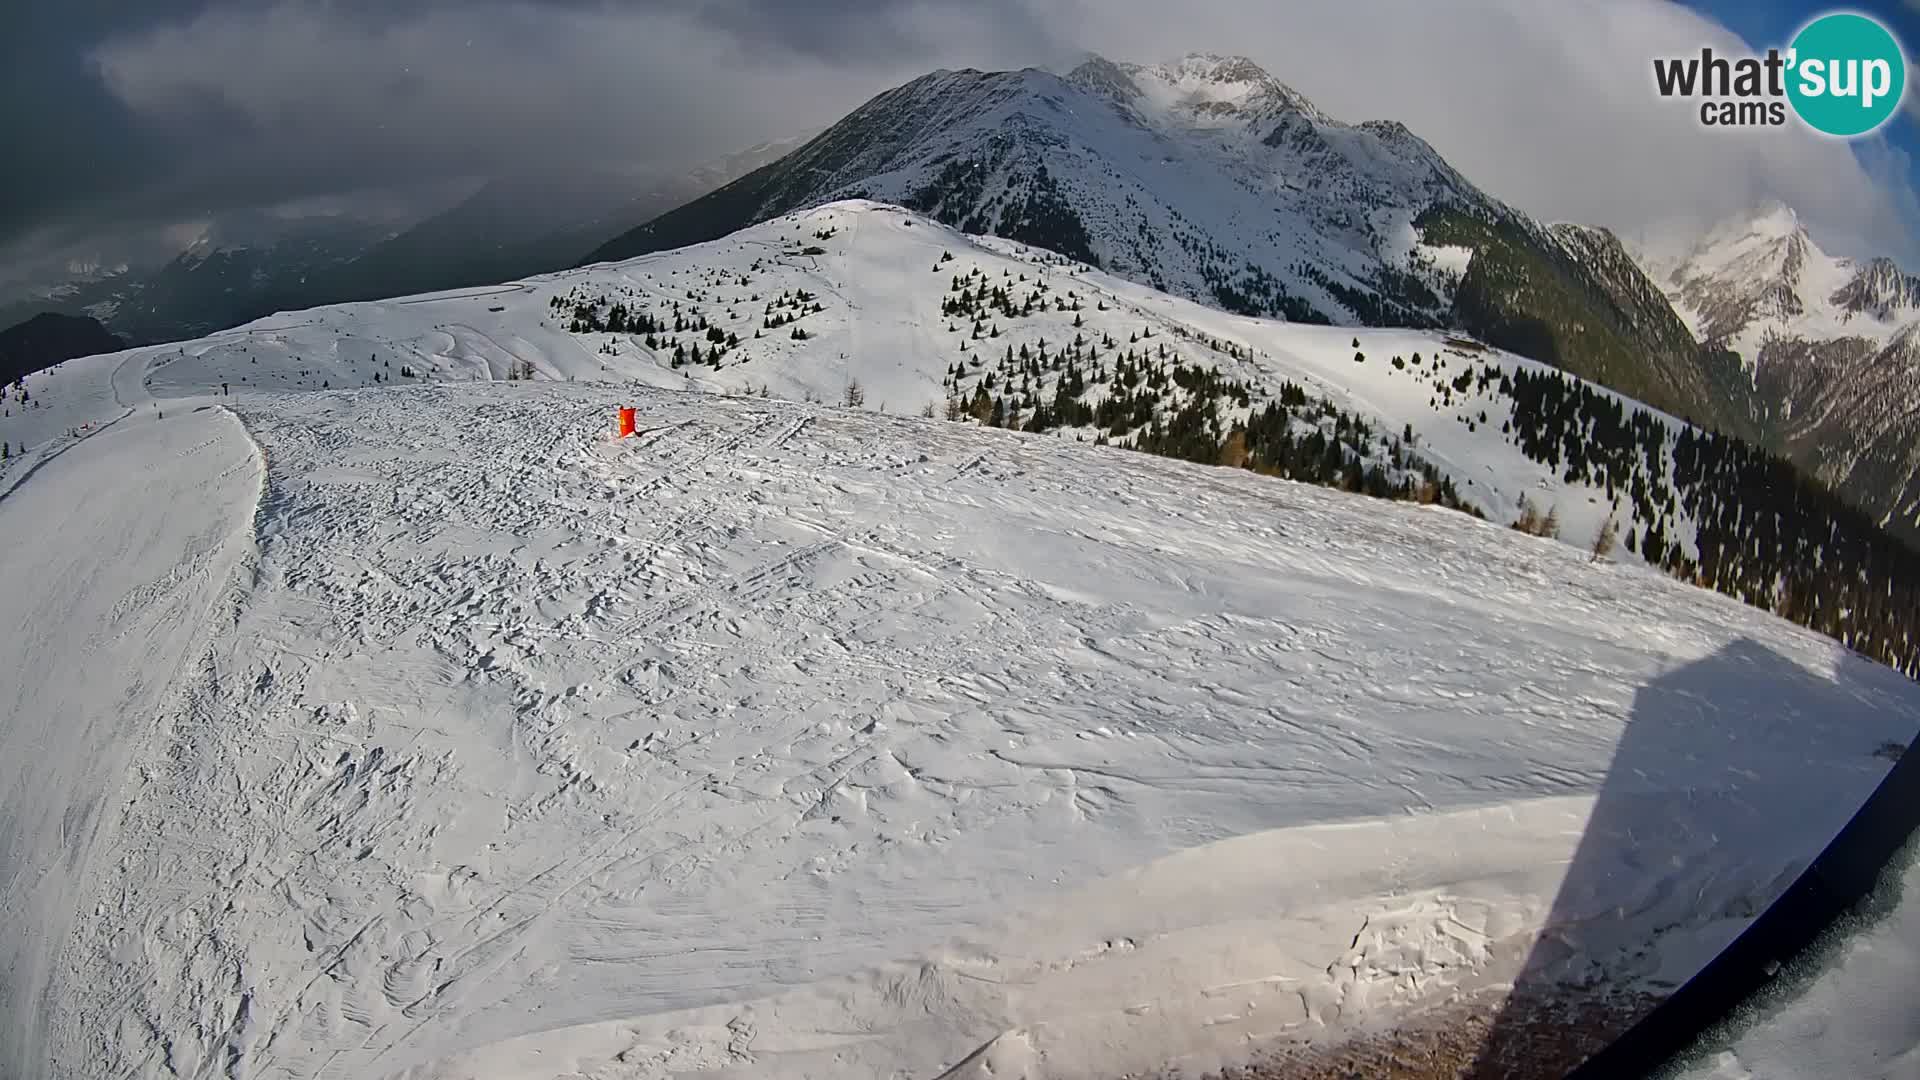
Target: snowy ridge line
884, 337
907, 311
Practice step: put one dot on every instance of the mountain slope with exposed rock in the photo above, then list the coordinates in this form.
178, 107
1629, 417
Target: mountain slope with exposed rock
1208, 178
1830, 346
48, 339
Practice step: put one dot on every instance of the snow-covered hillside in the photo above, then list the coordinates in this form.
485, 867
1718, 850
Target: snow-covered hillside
872, 290
415, 726
506, 727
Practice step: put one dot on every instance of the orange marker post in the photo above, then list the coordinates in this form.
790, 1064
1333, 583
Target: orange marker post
624, 426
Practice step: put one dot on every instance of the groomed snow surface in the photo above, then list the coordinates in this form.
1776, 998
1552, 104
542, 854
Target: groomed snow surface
429, 731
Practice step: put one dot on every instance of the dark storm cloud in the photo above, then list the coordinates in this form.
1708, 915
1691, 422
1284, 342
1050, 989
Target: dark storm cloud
870, 30
68, 141
123, 113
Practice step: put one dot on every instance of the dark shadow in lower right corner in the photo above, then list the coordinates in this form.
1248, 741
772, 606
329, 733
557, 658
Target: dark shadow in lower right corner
1740, 744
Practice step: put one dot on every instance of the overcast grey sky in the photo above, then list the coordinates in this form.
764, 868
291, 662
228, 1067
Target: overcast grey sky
122, 114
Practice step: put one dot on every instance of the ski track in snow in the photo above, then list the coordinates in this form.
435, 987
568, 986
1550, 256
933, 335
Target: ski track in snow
509, 728
115, 553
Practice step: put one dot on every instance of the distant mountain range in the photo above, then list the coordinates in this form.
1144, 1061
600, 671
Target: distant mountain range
1830, 348
249, 265
511, 228
47, 339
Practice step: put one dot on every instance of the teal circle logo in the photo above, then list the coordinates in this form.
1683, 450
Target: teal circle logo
1846, 74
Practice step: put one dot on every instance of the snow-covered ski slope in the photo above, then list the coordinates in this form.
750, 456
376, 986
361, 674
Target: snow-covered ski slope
790, 740
773, 712
877, 277
113, 559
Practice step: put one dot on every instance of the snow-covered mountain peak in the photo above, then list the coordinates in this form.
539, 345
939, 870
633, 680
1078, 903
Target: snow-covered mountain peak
1199, 90
1103, 78
1204, 176
1754, 275
1769, 217
949, 80
1216, 68
1831, 344
1205, 84
1880, 290
1768, 242
1760, 276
